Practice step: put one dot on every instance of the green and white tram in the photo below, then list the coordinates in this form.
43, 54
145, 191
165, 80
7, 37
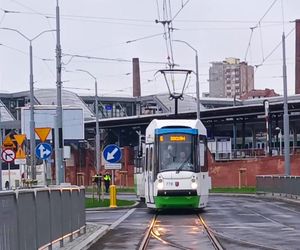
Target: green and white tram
175, 173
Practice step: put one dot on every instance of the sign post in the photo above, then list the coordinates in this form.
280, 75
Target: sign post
112, 154
43, 150
8, 155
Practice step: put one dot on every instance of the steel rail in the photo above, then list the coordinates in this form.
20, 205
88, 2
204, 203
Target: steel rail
232, 240
217, 245
146, 238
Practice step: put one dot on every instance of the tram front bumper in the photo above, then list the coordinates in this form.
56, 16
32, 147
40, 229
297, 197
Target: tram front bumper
177, 201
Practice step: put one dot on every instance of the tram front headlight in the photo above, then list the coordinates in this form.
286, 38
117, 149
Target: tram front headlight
194, 184
160, 184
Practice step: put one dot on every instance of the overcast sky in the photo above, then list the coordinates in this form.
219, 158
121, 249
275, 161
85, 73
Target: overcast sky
98, 28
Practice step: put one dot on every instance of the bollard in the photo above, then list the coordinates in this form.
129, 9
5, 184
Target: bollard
113, 196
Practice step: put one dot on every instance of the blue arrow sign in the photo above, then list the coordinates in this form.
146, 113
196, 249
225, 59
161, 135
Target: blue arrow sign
43, 150
112, 153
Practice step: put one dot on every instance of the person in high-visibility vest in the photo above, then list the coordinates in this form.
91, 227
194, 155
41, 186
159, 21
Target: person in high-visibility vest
107, 179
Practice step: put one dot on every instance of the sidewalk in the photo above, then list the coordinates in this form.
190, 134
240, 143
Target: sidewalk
95, 231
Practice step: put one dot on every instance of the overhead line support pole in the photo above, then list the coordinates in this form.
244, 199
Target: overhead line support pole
59, 141
286, 125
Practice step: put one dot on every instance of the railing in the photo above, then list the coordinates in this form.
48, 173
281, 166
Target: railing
248, 153
37, 218
288, 185
244, 154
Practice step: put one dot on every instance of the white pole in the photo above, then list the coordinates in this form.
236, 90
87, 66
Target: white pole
280, 142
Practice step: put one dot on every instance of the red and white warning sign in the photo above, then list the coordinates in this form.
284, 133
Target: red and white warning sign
8, 155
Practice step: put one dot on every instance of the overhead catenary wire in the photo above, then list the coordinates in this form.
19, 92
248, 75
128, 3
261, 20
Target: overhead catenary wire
273, 50
261, 41
2, 18
107, 59
257, 25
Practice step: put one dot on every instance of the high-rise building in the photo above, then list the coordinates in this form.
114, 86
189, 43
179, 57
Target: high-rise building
230, 78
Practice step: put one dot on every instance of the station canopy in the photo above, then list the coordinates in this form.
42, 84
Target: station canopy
48, 97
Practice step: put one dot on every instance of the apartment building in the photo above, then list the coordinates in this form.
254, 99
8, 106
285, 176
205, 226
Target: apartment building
230, 78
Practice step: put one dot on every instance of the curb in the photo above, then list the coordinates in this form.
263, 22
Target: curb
233, 194
136, 204
292, 199
93, 238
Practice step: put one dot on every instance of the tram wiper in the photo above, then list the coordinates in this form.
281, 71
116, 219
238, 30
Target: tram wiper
182, 165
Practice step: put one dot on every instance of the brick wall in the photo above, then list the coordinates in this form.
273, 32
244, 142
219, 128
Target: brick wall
231, 173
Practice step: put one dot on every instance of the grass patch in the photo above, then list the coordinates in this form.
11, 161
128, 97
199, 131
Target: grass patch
245, 190
89, 189
93, 203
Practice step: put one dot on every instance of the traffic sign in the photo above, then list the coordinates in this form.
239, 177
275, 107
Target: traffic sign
112, 153
42, 133
20, 153
8, 155
43, 150
112, 166
20, 161
108, 107
20, 138
8, 143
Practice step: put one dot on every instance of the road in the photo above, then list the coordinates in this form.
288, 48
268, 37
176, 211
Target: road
238, 222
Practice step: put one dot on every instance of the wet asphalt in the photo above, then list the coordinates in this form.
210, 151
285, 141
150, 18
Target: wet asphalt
238, 222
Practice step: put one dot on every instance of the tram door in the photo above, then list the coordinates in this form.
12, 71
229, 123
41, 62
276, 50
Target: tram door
149, 175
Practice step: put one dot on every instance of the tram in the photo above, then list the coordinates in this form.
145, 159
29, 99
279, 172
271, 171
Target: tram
175, 169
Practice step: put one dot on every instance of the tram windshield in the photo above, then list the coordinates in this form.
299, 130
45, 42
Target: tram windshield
176, 152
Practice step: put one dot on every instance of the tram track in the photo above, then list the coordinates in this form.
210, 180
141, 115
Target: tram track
153, 234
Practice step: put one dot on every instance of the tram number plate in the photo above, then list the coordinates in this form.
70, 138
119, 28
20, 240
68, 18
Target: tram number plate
172, 184
169, 183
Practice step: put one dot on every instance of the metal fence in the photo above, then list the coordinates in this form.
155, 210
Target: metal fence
289, 185
37, 218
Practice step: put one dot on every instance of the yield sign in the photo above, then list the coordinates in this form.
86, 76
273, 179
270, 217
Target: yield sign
42, 133
20, 138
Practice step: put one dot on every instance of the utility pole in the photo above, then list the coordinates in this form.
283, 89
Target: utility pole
32, 122
97, 138
286, 125
59, 141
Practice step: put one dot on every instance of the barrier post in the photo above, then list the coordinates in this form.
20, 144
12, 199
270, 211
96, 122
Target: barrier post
241, 172
113, 196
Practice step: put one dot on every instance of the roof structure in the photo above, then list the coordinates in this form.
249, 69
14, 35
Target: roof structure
5, 115
188, 104
48, 97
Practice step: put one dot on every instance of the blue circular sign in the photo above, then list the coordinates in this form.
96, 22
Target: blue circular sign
112, 153
43, 150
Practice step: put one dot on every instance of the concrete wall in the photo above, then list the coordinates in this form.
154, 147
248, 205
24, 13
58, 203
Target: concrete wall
233, 173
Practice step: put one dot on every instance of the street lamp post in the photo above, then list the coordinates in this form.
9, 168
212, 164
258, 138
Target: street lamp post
32, 123
197, 76
97, 139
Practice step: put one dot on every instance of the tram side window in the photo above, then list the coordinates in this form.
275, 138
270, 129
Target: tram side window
203, 154
146, 160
